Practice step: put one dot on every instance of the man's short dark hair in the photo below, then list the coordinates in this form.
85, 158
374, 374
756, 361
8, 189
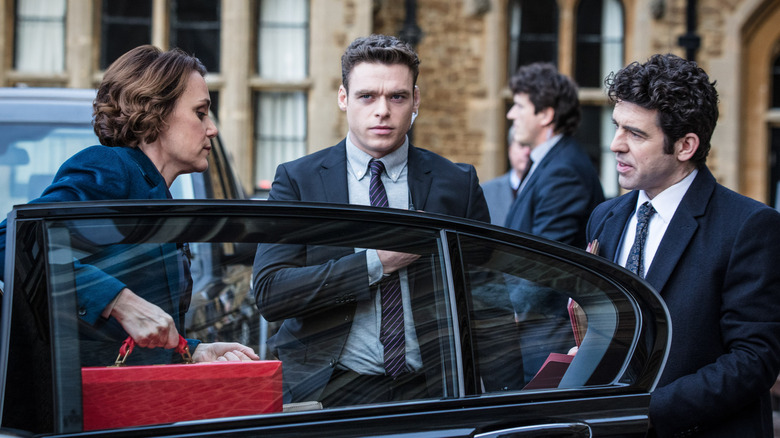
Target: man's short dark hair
547, 88
379, 49
679, 90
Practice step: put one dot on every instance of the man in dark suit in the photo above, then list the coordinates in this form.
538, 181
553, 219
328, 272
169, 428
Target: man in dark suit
326, 297
553, 201
710, 252
562, 187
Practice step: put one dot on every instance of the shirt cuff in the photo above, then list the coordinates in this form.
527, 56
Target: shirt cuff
375, 268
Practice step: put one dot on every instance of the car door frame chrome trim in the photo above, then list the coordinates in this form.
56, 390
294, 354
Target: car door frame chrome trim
461, 389
574, 429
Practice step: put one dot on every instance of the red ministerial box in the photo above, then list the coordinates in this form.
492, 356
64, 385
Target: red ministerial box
551, 373
142, 395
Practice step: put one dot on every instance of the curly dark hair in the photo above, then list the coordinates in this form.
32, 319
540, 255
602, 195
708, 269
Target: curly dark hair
380, 49
138, 92
679, 90
547, 88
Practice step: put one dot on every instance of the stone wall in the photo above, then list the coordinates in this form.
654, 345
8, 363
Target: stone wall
463, 86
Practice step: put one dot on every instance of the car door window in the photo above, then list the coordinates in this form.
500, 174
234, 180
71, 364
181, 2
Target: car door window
145, 253
528, 309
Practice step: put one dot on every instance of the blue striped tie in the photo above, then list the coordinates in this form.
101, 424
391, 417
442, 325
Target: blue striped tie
392, 329
636, 258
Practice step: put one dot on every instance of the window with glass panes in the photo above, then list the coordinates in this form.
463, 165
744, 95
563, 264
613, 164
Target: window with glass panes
533, 33
599, 48
596, 50
776, 83
599, 51
195, 28
124, 25
39, 40
280, 106
774, 135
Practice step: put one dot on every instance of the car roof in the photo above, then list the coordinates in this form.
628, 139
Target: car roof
51, 105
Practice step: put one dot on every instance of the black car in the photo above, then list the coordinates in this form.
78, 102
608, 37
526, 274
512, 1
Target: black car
486, 344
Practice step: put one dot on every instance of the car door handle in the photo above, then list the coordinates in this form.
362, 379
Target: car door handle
541, 430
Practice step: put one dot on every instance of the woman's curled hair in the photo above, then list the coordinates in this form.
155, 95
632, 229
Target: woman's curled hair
138, 93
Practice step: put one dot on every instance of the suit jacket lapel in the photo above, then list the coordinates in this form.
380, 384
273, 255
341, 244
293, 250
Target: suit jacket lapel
614, 224
542, 167
333, 174
419, 178
681, 229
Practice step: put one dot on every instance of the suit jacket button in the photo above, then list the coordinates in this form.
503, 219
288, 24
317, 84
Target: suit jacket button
82, 311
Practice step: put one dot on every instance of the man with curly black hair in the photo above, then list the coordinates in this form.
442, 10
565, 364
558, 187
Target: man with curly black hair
708, 251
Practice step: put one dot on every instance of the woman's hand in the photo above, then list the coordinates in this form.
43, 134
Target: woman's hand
223, 351
147, 324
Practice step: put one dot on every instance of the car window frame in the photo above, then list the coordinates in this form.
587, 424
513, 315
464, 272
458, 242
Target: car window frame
581, 374
449, 230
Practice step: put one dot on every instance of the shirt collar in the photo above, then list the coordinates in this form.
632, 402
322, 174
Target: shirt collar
394, 162
514, 180
538, 153
666, 202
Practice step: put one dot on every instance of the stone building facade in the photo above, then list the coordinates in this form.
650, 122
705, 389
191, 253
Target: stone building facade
468, 49
740, 49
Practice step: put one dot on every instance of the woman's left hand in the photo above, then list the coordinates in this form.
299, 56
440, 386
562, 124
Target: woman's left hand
223, 351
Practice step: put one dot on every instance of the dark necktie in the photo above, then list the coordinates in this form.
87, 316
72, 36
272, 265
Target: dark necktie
636, 257
526, 171
392, 328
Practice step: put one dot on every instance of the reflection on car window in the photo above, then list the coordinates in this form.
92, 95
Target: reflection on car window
306, 331
30, 155
327, 301
533, 304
